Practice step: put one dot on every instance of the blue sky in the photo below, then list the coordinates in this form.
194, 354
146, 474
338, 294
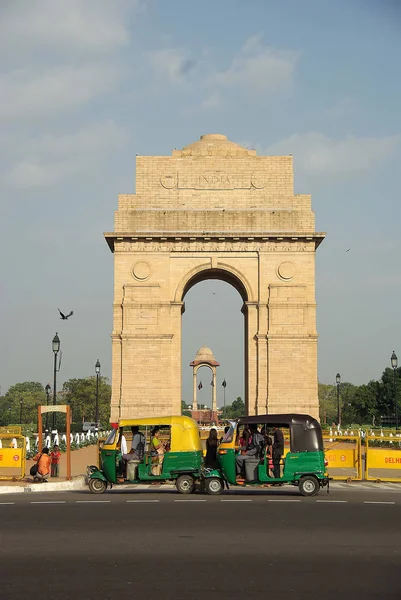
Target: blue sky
87, 84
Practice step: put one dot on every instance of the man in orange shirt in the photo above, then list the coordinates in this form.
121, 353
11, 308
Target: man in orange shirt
43, 459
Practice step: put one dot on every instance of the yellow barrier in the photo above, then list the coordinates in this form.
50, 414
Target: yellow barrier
12, 460
383, 461
347, 459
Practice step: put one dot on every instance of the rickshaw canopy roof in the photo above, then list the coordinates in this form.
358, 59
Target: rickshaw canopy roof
306, 433
184, 430
281, 420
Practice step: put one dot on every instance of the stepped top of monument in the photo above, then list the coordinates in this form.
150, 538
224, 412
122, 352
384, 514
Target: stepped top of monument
204, 355
214, 144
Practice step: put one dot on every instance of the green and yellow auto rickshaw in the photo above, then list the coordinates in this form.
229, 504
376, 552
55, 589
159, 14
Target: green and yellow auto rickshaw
302, 463
181, 458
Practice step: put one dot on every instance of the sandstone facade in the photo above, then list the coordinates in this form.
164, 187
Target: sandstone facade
214, 210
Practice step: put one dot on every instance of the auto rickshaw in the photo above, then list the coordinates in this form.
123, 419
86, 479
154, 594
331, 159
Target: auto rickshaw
303, 463
181, 462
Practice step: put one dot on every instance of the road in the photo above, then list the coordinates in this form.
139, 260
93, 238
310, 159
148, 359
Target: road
161, 545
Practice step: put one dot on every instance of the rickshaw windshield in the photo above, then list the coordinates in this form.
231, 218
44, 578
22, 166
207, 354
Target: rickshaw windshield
111, 439
229, 436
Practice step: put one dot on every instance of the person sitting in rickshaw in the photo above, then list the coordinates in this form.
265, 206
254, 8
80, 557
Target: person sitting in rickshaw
156, 452
254, 449
244, 440
269, 450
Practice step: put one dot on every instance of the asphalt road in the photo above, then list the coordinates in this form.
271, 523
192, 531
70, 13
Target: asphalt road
160, 545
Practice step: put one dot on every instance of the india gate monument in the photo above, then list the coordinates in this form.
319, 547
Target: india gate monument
214, 210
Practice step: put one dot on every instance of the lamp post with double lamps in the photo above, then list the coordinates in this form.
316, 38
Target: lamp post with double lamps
394, 365
338, 381
97, 371
56, 349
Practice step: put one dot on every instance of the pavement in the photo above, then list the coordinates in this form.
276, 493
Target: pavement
162, 545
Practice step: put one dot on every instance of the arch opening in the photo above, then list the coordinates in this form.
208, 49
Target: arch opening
219, 274
214, 318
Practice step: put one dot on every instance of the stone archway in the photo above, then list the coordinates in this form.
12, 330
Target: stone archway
214, 210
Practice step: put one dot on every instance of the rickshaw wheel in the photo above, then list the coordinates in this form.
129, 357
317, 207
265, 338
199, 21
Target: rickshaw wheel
97, 486
214, 486
308, 485
185, 484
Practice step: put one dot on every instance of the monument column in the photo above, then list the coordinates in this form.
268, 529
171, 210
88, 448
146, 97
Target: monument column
194, 401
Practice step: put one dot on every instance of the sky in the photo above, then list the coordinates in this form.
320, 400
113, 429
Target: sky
86, 85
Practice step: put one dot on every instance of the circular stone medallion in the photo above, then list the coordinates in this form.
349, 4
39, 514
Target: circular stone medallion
141, 270
286, 270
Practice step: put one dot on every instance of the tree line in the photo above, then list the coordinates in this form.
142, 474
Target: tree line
368, 404
19, 404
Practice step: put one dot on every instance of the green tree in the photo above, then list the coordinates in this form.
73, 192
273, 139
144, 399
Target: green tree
80, 394
327, 403
234, 410
30, 394
184, 409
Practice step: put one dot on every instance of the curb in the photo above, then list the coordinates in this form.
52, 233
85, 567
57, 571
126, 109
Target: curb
77, 483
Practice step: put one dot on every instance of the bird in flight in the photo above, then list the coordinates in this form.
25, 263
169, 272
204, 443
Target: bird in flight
63, 316
348, 250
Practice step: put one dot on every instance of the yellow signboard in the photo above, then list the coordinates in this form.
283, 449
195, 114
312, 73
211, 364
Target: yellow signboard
385, 458
341, 459
11, 457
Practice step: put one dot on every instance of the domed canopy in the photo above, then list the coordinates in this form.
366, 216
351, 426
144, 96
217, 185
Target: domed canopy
204, 356
214, 144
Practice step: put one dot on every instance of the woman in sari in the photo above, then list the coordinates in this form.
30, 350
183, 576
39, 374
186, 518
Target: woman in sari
157, 452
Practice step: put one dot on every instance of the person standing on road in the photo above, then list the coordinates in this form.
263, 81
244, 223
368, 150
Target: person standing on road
55, 458
211, 450
278, 451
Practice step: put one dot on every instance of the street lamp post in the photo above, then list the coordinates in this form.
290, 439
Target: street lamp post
338, 381
20, 410
394, 364
56, 349
47, 390
97, 371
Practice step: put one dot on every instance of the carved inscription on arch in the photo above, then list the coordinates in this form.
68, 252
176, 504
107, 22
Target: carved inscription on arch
212, 180
212, 246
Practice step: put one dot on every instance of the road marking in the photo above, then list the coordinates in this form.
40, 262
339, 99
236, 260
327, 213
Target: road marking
190, 500
282, 500
7, 502
242, 500
332, 501
374, 502
141, 501
48, 502
92, 501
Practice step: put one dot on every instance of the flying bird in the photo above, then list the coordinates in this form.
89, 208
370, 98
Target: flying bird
63, 316
348, 250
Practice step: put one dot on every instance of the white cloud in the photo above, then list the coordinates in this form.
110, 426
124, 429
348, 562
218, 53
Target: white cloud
317, 153
212, 101
49, 159
257, 67
29, 94
171, 64
72, 25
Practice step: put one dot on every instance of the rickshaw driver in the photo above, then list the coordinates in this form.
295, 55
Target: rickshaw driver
253, 450
137, 445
